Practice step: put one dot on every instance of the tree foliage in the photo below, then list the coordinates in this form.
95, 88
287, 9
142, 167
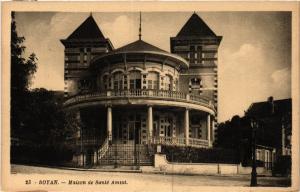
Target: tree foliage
38, 122
22, 71
36, 115
44, 120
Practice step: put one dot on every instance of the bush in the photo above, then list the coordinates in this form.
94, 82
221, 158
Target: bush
282, 166
47, 155
199, 155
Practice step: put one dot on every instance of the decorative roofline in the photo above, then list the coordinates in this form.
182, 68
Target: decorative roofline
121, 53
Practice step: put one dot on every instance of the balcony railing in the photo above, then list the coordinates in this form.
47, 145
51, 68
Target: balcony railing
180, 141
161, 140
141, 93
174, 141
198, 142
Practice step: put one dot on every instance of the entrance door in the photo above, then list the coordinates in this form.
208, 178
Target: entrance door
134, 131
131, 128
137, 129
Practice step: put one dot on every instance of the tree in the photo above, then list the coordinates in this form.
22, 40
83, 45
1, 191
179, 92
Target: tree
38, 121
22, 71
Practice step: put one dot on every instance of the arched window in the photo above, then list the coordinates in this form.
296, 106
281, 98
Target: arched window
135, 80
118, 80
168, 82
152, 78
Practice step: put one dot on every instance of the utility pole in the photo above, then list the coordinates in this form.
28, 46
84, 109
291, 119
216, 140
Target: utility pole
253, 172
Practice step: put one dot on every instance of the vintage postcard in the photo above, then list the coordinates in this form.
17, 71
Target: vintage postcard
144, 96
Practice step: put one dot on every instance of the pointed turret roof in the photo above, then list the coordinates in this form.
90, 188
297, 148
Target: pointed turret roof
138, 46
195, 26
87, 30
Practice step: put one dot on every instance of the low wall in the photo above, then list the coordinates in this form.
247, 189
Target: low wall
161, 163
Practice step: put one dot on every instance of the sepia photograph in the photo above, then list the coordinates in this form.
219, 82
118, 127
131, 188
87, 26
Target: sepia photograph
140, 100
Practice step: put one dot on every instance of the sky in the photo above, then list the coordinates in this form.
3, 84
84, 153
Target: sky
254, 54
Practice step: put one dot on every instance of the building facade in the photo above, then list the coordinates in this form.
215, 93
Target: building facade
133, 99
274, 133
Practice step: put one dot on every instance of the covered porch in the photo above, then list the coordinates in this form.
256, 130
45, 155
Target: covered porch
159, 125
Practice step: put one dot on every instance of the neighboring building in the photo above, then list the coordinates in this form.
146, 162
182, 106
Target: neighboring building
275, 119
132, 99
274, 131
272, 134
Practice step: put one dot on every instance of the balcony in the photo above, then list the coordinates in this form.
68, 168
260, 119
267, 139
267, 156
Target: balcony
162, 96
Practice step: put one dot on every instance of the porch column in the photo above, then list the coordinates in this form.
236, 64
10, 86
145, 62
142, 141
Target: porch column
109, 123
186, 126
150, 124
208, 129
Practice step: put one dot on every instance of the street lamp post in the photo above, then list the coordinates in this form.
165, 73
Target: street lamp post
253, 172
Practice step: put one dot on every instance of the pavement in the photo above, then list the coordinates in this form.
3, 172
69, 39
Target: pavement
148, 175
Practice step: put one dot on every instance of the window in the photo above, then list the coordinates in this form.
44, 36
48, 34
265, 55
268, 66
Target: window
200, 55
84, 84
125, 81
195, 83
72, 58
152, 80
105, 82
150, 85
193, 54
168, 83
88, 50
118, 81
176, 84
135, 80
166, 126
81, 55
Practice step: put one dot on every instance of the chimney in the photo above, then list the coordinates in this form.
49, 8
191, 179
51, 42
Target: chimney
271, 102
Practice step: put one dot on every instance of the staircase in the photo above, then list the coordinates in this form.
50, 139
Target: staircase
104, 148
124, 154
